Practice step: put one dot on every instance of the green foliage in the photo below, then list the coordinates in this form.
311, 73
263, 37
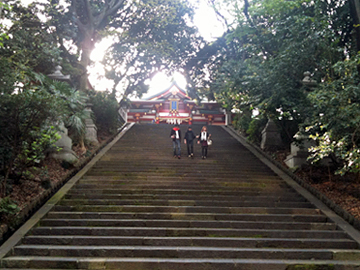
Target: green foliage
242, 121
259, 63
3, 34
105, 108
75, 121
31, 104
8, 207
158, 38
255, 127
148, 36
29, 48
27, 121
31, 42
336, 117
33, 152
24, 121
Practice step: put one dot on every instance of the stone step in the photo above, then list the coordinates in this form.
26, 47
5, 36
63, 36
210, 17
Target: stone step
169, 191
188, 179
284, 198
186, 209
186, 224
254, 203
189, 216
40, 262
139, 208
187, 232
170, 170
185, 178
204, 173
186, 186
244, 165
250, 162
300, 243
181, 252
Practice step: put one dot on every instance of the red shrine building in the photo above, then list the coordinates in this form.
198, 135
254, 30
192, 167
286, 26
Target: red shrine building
174, 106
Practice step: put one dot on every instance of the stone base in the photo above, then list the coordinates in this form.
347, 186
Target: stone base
300, 159
66, 155
271, 139
296, 160
91, 133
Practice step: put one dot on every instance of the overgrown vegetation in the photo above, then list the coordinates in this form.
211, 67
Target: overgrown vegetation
105, 108
149, 36
259, 63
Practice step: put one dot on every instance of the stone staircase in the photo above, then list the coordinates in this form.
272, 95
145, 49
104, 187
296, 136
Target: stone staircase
139, 208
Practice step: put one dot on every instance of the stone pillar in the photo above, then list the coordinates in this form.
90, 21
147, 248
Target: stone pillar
271, 138
227, 117
123, 113
90, 128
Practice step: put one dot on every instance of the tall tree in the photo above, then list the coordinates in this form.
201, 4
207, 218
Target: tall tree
132, 23
152, 43
267, 52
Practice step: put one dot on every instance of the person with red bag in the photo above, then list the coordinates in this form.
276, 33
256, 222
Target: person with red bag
175, 134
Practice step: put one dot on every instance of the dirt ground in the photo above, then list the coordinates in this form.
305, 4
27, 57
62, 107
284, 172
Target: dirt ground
342, 190
28, 191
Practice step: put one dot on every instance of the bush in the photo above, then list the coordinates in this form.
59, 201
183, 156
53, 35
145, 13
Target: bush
26, 132
105, 108
8, 207
255, 128
27, 119
242, 121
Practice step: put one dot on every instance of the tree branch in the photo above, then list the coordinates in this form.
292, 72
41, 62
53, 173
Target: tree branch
217, 12
88, 11
264, 48
111, 8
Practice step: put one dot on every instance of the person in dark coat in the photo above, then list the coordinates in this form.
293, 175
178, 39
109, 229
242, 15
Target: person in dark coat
189, 141
202, 140
175, 134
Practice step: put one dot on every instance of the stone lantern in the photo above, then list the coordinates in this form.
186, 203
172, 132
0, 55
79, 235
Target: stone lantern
308, 81
64, 143
58, 76
299, 149
90, 128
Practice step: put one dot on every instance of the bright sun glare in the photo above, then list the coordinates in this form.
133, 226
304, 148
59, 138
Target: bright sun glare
204, 19
209, 27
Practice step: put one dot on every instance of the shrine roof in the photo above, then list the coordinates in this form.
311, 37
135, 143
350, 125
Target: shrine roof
168, 91
147, 101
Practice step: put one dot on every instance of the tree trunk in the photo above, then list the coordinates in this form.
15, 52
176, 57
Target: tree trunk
87, 46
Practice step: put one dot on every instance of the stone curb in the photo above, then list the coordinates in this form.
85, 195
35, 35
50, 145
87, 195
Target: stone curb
329, 203
26, 213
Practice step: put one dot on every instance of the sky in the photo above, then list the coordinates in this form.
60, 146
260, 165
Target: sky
205, 20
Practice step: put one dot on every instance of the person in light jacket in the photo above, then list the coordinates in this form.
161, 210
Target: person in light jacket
202, 140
